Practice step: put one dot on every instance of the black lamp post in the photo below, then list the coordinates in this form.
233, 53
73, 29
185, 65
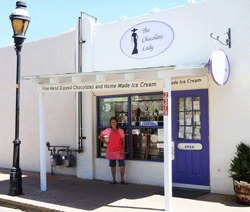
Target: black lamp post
20, 20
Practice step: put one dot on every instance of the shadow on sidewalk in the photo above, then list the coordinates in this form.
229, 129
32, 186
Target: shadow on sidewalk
186, 193
71, 191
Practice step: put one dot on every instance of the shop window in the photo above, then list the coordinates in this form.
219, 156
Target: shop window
189, 124
141, 118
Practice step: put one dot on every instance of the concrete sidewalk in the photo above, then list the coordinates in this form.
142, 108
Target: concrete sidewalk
68, 193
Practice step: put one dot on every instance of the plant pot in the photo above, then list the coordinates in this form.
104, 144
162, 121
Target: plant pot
242, 192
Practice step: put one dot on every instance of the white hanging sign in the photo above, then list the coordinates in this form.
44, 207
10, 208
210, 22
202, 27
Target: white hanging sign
219, 67
147, 39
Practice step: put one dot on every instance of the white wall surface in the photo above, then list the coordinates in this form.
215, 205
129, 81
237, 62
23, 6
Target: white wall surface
189, 46
85, 160
140, 172
229, 111
51, 55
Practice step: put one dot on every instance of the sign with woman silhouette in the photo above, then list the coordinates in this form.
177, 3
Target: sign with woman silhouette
135, 38
147, 39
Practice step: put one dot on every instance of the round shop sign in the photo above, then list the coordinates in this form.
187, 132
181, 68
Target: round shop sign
106, 107
147, 39
219, 67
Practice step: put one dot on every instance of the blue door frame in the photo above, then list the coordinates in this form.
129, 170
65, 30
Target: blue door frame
191, 166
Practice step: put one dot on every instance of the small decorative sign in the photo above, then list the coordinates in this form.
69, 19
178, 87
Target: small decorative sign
136, 131
106, 107
148, 123
190, 146
165, 103
196, 105
160, 146
154, 138
147, 39
219, 67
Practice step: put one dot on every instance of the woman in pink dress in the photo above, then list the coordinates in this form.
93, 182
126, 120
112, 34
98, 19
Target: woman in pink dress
115, 148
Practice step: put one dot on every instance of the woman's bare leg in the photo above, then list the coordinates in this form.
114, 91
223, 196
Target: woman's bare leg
122, 172
113, 171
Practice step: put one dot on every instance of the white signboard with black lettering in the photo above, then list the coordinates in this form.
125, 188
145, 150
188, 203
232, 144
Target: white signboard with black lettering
187, 83
189, 146
176, 84
147, 39
107, 86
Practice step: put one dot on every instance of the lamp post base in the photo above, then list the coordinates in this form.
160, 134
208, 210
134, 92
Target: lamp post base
15, 182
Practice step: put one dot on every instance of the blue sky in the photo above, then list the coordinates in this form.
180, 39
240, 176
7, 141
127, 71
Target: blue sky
53, 17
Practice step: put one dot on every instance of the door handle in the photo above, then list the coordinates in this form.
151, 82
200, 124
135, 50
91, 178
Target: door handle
173, 149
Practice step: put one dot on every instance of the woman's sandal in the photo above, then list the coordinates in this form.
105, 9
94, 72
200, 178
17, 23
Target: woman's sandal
113, 182
124, 183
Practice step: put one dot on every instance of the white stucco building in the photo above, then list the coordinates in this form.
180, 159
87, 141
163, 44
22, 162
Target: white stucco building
123, 68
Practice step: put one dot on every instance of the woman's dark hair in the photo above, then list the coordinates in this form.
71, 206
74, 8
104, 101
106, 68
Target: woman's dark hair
114, 118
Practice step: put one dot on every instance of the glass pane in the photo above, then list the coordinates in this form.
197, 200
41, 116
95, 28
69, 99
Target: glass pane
26, 24
147, 110
197, 133
147, 144
139, 142
116, 106
197, 118
180, 103
196, 103
188, 103
103, 147
181, 118
188, 118
181, 133
189, 133
126, 150
17, 26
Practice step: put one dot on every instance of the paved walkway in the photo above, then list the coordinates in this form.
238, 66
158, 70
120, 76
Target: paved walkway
68, 193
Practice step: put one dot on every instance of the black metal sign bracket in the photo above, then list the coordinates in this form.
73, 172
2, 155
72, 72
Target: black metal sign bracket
228, 41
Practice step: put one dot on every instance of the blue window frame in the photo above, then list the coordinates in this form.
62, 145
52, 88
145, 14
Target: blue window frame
141, 118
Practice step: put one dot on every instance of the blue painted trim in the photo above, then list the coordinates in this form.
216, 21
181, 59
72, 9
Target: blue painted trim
97, 129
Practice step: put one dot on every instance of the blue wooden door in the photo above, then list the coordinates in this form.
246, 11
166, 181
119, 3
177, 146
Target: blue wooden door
190, 137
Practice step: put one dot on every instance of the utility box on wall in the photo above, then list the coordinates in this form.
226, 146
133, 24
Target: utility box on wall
69, 160
56, 160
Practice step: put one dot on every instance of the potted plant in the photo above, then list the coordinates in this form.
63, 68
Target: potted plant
240, 172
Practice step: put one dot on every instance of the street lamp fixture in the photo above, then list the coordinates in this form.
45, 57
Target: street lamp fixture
20, 21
